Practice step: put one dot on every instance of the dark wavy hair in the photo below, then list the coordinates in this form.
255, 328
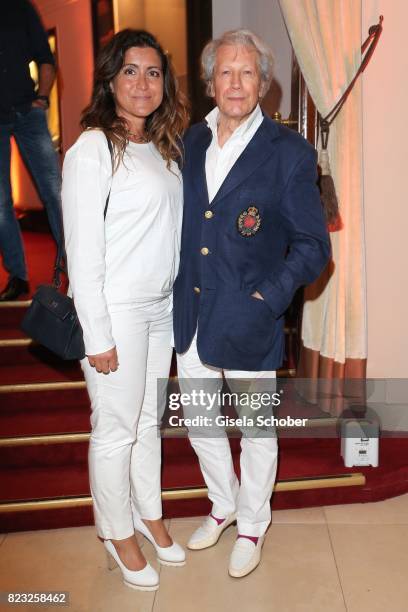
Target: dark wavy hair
164, 127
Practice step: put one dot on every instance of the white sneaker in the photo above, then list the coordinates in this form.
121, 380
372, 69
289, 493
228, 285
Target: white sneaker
209, 532
245, 557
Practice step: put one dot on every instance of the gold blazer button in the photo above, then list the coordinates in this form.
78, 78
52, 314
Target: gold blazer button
204, 251
208, 214
197, 289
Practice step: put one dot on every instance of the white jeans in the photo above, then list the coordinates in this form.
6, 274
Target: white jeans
258, 461
125, 446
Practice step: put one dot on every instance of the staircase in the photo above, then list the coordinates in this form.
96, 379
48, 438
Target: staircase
44, 424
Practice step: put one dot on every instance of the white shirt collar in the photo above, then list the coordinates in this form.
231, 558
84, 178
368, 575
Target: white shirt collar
242, 130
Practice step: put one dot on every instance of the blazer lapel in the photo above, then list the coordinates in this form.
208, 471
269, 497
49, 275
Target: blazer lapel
254, 154
198, 153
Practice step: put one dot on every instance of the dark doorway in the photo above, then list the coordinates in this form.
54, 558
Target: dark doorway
199, 32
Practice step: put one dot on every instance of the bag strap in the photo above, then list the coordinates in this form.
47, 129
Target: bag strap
58, 265
105, 210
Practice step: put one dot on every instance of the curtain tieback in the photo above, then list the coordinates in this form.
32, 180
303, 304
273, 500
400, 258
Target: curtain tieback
326, 184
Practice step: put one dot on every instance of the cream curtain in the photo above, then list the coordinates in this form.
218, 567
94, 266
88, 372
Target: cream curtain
326, 37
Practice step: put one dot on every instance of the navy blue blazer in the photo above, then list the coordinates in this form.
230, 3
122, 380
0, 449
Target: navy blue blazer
264, 231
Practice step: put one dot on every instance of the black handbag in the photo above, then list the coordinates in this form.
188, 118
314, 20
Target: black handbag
51, 319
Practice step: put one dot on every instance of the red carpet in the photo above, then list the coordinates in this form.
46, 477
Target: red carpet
40, 256
51, 471
54, 471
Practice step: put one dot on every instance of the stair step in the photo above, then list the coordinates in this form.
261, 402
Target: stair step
10, 336
17, 349
13, 336
20, 399
198, 491
51, 419
26, 483
63, 471
43, 372
75, 511
52, 411
295, 449
12, 313
59, 376
43, 455
24, 351
49, 455
64, 407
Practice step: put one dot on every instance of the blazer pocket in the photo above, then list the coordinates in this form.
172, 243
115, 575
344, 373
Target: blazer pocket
250, 325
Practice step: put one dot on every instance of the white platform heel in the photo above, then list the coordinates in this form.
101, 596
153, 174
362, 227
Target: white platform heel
166, 555
146, 579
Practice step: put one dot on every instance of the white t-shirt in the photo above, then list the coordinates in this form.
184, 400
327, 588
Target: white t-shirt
132, 256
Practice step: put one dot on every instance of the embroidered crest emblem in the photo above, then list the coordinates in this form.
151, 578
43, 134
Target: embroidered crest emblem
249, 221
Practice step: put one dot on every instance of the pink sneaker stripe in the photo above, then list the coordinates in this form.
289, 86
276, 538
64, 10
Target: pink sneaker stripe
253, 539
218, 520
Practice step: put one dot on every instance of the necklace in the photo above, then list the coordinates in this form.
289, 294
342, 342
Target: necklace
139, 137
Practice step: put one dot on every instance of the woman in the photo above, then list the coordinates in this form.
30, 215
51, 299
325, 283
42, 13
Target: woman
121, 270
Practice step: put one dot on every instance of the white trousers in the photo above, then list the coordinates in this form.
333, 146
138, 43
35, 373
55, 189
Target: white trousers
259, 453
125, 446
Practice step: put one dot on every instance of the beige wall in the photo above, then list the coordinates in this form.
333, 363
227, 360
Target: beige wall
227, 15
72, 20
166, 19
263, 17
128, 14
385, 138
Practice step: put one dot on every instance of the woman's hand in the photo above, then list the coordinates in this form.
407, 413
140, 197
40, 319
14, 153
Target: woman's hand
105, 362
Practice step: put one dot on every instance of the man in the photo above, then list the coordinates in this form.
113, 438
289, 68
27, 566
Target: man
253, 232
22, 115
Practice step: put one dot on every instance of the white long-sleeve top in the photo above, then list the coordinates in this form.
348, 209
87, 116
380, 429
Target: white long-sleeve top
133, 255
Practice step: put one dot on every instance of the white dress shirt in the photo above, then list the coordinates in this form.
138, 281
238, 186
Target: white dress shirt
219, 160
132, 256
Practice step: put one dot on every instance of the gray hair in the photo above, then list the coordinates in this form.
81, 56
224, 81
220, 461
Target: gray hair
245, 38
